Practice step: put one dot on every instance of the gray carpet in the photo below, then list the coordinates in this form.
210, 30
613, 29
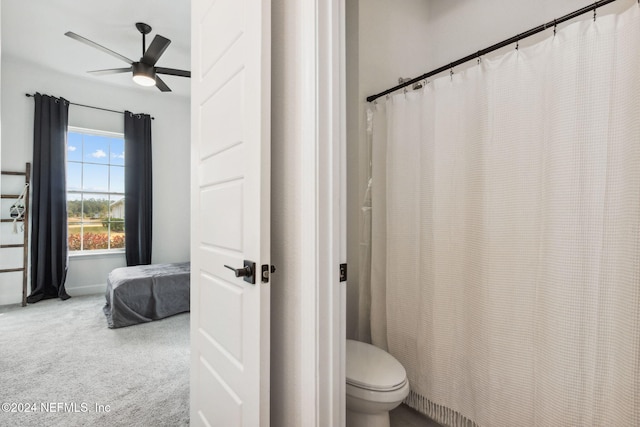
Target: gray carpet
60, 356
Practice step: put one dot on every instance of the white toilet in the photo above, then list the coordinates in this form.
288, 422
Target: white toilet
376, 383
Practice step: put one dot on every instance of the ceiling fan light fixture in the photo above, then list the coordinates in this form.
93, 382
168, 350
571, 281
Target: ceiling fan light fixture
143, 74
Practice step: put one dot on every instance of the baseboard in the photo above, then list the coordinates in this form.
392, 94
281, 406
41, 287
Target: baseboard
77, 291
9, 300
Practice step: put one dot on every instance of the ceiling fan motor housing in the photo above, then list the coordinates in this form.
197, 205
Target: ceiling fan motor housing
144, 74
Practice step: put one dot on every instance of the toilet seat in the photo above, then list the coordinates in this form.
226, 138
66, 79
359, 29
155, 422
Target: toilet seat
370, 387
372, 369
380, 397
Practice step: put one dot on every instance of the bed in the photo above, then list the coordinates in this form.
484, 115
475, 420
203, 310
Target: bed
146, 292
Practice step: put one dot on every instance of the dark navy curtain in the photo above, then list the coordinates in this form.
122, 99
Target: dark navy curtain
49, 250
138, 188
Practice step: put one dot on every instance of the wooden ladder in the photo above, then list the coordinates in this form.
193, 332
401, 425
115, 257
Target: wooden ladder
25, 221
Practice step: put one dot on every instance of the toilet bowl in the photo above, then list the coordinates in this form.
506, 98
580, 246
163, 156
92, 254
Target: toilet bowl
376, 383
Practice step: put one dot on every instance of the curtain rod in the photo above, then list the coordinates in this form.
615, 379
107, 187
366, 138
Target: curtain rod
514, 39
28, 95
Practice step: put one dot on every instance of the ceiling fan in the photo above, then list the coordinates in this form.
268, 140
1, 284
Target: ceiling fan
144, 71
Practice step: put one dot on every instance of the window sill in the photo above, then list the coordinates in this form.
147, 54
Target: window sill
96, 254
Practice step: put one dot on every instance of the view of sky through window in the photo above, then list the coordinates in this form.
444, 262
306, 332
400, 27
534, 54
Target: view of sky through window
96, 154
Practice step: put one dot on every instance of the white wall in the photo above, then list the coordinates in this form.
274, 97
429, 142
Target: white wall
171, 142
286, 154
2, 206
409, 38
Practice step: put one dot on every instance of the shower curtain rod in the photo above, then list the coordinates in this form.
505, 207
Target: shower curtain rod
514, 39
28, 95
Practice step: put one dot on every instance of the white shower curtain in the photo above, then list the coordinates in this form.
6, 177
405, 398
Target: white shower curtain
506, 234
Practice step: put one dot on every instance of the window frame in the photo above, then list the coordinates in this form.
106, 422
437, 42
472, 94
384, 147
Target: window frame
94, 132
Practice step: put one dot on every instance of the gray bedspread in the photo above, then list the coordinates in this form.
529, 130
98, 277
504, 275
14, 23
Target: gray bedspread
146, 292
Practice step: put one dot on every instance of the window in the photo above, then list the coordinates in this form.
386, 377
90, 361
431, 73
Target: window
95, 190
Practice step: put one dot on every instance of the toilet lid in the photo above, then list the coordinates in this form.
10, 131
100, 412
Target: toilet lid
373, 368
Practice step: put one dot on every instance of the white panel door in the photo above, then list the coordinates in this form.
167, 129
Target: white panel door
230, 109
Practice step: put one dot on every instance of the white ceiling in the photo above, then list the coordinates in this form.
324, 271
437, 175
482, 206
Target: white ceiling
34, 31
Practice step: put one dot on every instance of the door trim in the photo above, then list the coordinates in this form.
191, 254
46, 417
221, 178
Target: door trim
323, 328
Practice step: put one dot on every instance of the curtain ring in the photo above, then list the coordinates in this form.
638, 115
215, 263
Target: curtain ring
555, 26
595, 9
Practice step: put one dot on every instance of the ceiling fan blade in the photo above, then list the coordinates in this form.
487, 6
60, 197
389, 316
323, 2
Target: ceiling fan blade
162, 85
110, 71
155, 50
173, 72
97, 46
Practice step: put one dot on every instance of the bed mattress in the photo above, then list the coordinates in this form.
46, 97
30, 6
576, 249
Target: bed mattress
146, 292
